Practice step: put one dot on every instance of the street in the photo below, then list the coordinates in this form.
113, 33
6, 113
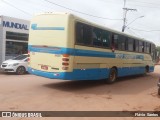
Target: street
34, 93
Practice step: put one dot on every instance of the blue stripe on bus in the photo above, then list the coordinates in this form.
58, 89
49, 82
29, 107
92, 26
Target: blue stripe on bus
76, 52
34, 27
90, 74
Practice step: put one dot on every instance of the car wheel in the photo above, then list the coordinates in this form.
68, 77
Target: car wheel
21, 70
112, 76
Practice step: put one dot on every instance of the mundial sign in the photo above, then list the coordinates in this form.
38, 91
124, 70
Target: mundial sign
15, 25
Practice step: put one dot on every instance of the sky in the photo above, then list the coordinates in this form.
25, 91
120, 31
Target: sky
107, 13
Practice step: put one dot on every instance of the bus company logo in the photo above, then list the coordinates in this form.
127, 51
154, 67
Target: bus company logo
21, 114
14, 25
124, 56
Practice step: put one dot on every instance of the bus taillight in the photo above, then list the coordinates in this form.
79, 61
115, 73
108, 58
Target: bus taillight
65, 64
65, 55
65, 59
64, 68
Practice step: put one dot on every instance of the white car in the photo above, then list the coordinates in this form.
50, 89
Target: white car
18, 64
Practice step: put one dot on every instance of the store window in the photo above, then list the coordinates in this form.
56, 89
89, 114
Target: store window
16, 48
16, 36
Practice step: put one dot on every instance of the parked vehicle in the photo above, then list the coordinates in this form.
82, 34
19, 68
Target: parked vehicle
18, 64
63, 46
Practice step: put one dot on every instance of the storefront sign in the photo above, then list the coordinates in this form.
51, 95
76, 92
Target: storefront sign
14, 25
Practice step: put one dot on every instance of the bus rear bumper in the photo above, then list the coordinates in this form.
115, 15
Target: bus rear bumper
51, 75
76, 74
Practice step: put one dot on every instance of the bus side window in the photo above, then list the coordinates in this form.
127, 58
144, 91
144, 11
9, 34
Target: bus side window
126, 44
136, 45
87, 35
114, 44
121, 42
105, 39
79, 33
83, 34
148, 47
97, 37
145, 47
141, 46
130, 44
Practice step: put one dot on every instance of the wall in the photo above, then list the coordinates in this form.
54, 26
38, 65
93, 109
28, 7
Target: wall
12, 25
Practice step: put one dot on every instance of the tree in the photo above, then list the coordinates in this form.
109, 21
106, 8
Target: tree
158, 48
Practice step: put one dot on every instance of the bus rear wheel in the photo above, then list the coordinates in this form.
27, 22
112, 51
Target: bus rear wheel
146, 70
112, 76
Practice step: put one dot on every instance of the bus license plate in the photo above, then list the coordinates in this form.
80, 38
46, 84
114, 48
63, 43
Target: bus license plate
44, 67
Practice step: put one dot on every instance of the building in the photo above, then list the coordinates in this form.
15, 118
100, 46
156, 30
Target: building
13, 37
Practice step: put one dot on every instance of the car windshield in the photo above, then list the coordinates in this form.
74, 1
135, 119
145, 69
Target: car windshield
20, 57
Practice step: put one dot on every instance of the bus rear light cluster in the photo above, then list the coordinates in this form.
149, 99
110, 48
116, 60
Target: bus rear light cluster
65, 59
65, 55
64, 68
65, 64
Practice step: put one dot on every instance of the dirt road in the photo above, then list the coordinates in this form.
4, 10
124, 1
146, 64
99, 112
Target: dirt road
29, 92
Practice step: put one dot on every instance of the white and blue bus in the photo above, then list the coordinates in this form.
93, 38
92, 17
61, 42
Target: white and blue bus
64, 46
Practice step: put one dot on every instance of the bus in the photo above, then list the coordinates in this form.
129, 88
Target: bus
67, 47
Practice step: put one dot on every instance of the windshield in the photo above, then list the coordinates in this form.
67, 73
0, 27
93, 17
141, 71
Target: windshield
20, 57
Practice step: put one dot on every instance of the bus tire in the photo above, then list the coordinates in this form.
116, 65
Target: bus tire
159, 91
20, 70
112, 76
146, 69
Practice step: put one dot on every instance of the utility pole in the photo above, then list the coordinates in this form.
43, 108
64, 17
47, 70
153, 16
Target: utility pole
125, 15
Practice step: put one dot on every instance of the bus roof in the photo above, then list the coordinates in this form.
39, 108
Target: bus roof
94, 24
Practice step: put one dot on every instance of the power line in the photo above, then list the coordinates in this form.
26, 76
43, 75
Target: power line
130, 31
153, 3
79, 11
144, 6
129, 3
144, 30
15, 7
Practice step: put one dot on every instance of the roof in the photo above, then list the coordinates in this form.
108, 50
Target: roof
94, 24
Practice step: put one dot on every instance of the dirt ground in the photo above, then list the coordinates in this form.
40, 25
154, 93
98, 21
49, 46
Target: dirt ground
34, 93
